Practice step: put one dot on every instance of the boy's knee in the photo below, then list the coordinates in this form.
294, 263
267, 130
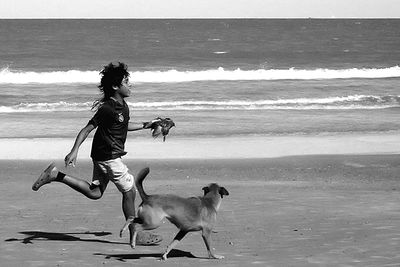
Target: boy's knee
95, 195
130, 193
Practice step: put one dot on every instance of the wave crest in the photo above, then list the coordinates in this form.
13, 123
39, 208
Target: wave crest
353, 102
8, 76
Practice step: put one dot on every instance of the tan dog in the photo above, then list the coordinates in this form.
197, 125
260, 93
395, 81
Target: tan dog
188, 214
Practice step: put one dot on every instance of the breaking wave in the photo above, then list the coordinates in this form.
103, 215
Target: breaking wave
8, 76
353, 102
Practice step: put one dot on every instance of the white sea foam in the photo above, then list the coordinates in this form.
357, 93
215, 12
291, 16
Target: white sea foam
53, 77
45, 107
353, 102
8, 76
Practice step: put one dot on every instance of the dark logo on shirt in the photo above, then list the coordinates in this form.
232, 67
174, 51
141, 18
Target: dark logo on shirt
120, 117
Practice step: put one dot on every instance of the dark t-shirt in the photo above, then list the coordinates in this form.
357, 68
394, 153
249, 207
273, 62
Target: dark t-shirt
111, 120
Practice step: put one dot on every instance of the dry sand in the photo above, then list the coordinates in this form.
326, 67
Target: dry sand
330, 210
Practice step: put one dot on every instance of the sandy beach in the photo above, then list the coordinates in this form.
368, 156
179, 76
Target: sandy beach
297, 118
326, 210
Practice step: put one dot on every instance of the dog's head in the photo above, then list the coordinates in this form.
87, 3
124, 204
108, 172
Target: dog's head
215, 188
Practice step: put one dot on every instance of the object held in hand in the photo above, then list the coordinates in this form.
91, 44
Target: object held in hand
161, 126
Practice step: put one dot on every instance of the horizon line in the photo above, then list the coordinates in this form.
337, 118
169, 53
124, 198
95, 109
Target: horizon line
199, 18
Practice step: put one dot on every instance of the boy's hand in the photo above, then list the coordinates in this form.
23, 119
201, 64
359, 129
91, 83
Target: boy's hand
70, 159
149, 124
161, 126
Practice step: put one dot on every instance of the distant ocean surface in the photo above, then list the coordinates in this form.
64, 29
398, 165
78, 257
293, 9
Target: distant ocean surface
213, 77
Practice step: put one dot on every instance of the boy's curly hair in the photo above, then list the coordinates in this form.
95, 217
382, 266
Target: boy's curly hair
111, 75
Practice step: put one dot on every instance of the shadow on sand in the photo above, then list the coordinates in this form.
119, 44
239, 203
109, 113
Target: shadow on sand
49, 236
175, 253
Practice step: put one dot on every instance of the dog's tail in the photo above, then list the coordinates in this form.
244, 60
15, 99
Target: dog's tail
139, 182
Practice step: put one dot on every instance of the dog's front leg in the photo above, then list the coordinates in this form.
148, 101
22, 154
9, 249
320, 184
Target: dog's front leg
206, 234
181, 234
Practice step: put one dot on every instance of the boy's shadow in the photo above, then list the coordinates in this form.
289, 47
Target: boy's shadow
175, 253
39, 235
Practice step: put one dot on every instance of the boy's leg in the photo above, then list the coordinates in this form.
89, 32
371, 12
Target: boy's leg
51, 174
128, 208
124, 181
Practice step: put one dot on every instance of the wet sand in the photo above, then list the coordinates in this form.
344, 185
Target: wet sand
225, 147
328, 210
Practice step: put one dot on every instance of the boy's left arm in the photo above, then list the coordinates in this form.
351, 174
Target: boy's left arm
136, 126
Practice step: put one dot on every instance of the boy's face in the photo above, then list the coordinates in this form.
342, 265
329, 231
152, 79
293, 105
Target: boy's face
124, 90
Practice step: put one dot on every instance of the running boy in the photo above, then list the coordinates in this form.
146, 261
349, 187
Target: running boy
112, 122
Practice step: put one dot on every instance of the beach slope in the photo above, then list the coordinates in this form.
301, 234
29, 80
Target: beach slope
329, 210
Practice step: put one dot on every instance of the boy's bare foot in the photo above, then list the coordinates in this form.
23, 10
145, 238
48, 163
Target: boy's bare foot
47, 176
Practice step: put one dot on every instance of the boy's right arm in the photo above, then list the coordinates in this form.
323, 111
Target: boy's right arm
70, 159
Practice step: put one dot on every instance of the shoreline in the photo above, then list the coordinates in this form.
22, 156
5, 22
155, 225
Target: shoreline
251, 147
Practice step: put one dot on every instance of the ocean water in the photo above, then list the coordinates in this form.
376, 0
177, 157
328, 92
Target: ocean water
212, 77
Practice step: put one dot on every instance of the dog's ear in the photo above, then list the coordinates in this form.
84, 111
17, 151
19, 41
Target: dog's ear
223, 192
206, 189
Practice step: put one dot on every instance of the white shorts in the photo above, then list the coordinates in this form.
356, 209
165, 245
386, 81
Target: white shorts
112, 170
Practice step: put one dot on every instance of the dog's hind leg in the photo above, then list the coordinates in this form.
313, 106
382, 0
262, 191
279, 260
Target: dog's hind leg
181, 234
131, 221
206, 234
126, 225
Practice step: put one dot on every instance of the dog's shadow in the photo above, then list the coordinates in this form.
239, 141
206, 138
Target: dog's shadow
175, 253
50, 236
